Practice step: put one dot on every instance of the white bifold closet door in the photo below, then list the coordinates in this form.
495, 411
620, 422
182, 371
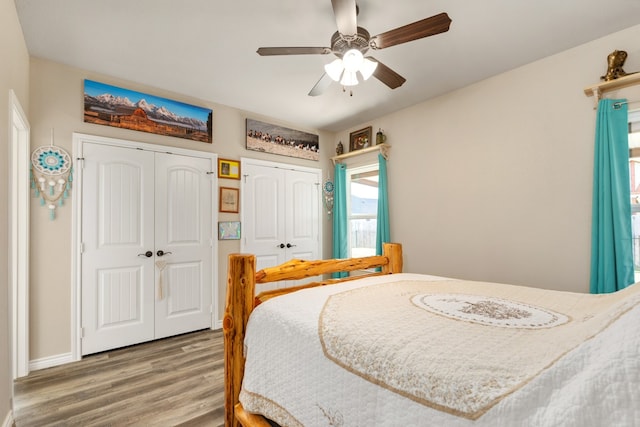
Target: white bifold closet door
146, 246
280, 215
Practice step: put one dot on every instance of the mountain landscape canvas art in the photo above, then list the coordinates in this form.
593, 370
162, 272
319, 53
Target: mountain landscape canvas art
114, 106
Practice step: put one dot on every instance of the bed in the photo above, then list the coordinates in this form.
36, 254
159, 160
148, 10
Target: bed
392, 348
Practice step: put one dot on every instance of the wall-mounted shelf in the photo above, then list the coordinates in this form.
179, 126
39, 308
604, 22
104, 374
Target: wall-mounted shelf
598, 89
383, 148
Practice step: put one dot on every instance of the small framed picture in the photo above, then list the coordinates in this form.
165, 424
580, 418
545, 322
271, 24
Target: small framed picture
229, 199
360, 139
229, 230
228, 169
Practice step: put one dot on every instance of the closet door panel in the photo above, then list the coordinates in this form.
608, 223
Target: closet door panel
183, 244
117, 230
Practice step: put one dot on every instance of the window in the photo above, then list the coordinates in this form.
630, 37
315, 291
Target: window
362, 209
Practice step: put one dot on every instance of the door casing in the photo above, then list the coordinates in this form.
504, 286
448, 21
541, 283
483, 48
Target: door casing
19, 193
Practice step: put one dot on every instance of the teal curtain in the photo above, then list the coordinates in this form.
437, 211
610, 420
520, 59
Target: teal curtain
611, 242
340, 235
382, 234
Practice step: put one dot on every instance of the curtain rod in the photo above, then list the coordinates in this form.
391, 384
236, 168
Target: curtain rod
618, 105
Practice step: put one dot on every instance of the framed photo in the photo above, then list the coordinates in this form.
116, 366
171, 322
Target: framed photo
274, 139
229, 199
228, 169
229, 230
360, 139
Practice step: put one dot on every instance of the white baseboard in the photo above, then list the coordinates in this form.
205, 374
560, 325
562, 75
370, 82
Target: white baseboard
217, 325
8, 420
51, 361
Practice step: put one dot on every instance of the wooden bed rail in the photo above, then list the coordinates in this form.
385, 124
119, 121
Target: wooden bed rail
241, 300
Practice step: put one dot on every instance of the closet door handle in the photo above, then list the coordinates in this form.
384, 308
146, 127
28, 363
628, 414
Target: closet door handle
281, 246
289, 245
161, 253
148, 254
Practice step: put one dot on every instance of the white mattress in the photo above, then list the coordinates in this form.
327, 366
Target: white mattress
289, 379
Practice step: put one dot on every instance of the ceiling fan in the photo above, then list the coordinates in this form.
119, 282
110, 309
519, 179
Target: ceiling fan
350, 43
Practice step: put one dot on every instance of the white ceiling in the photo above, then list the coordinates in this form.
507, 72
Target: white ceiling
207, 48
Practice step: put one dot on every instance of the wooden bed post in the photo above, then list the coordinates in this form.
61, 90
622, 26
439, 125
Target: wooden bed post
240, 302
393, 251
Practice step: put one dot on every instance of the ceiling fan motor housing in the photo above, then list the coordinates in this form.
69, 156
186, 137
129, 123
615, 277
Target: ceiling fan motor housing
341, 43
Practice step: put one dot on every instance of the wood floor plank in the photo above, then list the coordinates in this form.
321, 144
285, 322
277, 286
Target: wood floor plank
177, 381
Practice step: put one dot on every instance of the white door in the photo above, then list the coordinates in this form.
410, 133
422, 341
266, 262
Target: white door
183, 231
135, 204
302, 215
280, 214
263, 214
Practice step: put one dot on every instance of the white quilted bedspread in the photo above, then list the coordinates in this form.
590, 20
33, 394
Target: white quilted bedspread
289, 379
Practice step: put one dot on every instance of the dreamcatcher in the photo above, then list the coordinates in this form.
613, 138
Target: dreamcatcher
51, 176
328, 196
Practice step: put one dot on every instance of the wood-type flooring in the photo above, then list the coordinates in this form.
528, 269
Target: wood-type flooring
177, 381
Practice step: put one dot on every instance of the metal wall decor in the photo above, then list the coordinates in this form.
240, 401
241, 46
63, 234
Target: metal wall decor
51, 176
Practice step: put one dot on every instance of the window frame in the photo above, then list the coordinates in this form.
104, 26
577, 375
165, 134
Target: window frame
350, 172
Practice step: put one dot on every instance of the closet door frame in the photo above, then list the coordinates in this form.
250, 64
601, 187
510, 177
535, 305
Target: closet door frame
78, 140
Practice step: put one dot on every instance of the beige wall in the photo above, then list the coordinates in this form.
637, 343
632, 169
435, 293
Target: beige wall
14, 75
57, 102
493, 182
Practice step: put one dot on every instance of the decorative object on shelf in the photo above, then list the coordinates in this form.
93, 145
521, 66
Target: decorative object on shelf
229, 230
360, 139
228, 169
339, 148
124, 108
274, 139
51, 176
229, 199
327, 190
615, 61
381, 138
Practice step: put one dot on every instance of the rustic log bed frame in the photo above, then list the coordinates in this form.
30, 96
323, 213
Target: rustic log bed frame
241, 300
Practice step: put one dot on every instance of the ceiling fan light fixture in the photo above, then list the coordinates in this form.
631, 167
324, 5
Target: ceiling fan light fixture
349, 78
334, 69
367, 68
352, 60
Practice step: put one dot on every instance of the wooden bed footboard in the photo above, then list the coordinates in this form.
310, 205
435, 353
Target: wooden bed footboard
241, 300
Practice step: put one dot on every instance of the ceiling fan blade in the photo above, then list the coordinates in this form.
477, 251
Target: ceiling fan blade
427, 27
321, 85
345, 12
386, 75
268, 51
